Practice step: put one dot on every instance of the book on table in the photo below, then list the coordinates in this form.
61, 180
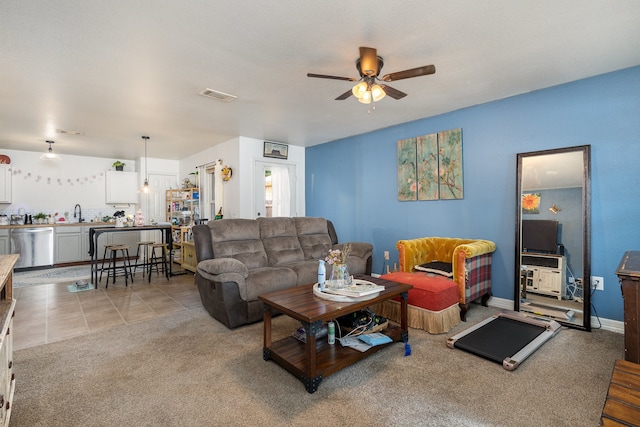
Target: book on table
357, 290
375, 338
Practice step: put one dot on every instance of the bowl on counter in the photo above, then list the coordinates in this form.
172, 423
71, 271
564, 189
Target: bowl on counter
17, 220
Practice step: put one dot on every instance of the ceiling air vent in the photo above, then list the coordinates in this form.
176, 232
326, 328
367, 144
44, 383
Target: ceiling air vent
68, 132
217, 95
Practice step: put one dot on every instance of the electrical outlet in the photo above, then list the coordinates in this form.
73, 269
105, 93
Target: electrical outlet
597, 283
386, 255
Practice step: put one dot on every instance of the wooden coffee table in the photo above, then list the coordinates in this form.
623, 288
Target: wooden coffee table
316, 359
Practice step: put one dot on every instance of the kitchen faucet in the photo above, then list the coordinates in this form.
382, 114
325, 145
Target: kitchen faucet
80, 219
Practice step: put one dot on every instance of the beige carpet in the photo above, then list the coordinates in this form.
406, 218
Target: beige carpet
189, 370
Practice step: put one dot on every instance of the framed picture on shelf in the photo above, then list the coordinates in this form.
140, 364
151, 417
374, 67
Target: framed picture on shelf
275, 150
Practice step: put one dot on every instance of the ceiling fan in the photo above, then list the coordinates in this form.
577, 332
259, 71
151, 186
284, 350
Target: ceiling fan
369, 65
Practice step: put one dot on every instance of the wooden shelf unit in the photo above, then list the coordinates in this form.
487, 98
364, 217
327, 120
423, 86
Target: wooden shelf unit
182, 207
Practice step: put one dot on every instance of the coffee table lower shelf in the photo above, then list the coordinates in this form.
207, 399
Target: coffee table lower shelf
291, 354
317, 359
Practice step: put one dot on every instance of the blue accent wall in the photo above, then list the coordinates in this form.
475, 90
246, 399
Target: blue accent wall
352, 181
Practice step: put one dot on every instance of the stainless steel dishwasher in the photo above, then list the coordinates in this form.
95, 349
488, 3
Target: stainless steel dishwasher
34, 244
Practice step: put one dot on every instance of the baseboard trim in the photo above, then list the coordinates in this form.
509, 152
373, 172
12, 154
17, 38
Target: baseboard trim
604, 324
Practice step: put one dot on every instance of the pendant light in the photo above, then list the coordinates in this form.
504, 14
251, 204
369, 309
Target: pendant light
50, 155
145, 187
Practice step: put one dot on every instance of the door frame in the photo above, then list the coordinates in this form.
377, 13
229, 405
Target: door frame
258, 188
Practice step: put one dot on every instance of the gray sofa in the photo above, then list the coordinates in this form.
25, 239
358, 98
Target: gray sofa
240, 259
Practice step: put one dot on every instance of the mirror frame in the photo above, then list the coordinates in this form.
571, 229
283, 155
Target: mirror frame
586, 230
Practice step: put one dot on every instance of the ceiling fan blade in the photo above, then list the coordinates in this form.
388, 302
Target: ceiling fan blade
368, 61
324, 76
407, 74
344, 95
394, 93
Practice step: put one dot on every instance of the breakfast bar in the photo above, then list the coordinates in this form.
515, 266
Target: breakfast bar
96, 232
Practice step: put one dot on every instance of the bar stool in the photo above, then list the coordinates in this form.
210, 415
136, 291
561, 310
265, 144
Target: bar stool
158, 260
104, 258
113, 268
145, 257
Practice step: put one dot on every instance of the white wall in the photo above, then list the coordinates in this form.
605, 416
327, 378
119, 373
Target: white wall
228, 153
250, 151
57, 186
240, 154
160, 166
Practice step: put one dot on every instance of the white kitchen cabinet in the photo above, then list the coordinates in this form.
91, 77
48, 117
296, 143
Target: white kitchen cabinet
5, 183
121, 187
4, 242
70, 244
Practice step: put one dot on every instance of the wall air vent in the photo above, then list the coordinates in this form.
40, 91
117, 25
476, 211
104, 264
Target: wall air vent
217, 95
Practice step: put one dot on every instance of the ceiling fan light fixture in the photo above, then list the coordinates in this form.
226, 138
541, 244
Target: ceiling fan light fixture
359, 90
365, 98
369, 65
50, 155
377, 93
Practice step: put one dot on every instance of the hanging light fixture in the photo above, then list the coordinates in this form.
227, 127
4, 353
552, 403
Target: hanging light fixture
145, 186
50, 155
368, 91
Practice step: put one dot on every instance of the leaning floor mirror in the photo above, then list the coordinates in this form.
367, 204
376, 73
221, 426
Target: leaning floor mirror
553, 256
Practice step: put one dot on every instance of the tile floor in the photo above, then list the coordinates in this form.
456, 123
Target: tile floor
48, 313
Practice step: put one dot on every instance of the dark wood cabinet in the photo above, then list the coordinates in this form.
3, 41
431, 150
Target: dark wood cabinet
628, 273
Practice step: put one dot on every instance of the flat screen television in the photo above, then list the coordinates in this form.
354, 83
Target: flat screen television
540, 236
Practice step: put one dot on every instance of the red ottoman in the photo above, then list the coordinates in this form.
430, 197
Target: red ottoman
433, 302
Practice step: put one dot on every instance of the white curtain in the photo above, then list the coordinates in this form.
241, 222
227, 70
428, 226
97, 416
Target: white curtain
201, 183
217, 188
281, 191
212, 188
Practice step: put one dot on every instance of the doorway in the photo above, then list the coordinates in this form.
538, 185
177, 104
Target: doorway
154, 205
275, 189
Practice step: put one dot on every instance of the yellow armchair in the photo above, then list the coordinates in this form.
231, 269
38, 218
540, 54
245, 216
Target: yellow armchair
470, 261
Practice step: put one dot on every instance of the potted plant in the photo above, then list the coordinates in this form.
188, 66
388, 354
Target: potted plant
40, 216
118, 165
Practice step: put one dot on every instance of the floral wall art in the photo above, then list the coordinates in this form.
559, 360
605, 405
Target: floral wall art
531, 203
430, 167
407, 176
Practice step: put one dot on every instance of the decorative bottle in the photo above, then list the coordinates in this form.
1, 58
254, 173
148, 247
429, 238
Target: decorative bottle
331, 333
322, 272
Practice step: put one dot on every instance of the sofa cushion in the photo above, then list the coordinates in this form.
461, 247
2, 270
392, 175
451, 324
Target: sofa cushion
223, 265
307, 271
269, 279
436, 267
239, 239
313, 236
280, 240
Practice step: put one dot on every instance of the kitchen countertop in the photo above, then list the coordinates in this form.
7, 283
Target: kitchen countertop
62, 224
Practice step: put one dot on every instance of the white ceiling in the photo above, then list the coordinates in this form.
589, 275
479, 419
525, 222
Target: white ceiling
119, 69
552, 171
